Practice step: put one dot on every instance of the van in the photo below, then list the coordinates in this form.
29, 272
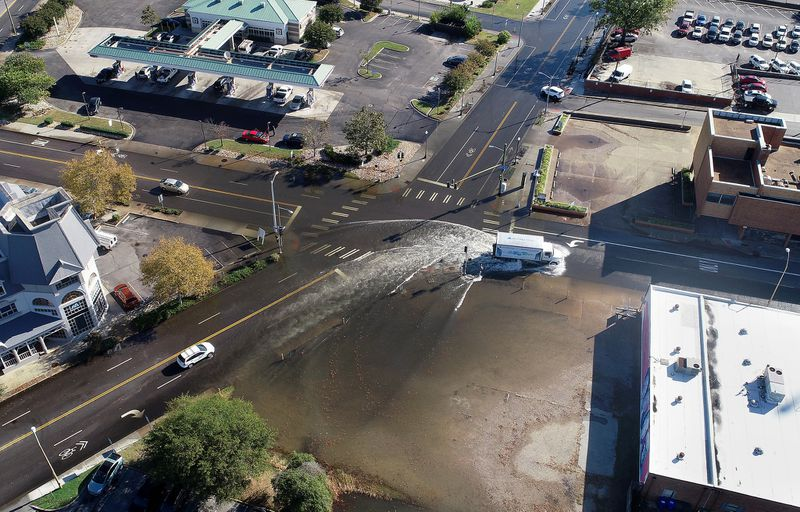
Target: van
107, 240
621, 53
246, 46
621, 73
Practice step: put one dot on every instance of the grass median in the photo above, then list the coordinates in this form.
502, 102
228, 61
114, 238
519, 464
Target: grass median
66, 495
69, 119
245, 148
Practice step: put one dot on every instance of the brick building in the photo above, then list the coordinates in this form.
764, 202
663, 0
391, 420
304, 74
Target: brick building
745, 174
719, 415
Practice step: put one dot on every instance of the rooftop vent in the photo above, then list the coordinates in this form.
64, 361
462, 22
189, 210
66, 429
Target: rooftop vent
758, 451
742, 332
749, 121
773, 383
688, 365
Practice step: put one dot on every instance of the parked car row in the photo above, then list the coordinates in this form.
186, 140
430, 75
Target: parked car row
751, 91
775, 65
738, 32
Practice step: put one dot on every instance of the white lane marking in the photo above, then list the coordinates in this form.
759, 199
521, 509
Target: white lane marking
658, 251
351, 208
330, 221
320, 249
433, 196
460, 202
492, 222
357, 201
340, 214
447, 199
237, 183
421, 193
491, 214
338, 249
39, 142
321, 228
12, 165
287, 277
406, 192
458, 153
15, 419
168, 170
348, 254
170, 380
118, 365
368, 253
207, 319
307, 246
368, 196
69, 436
708, 266
310, 196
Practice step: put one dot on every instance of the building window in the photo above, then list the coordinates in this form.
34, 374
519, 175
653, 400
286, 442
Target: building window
79, 318
278, 32
39, 301
46, 311
74, 294
726, 199
99, 303
67, 282
730, 507
2, 290
205, 23
8, 359
8, 310
667, 493
194, 21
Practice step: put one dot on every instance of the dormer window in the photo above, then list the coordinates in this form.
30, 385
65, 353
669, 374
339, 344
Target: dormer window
8, 310
2, 290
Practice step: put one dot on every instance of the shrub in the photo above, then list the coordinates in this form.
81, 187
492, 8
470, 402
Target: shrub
475, 62
162, 313
453, 15
36, 44
47, 121
370, 5
340, 158
486, 47
503, 37
331, 13
472, 26
68, 124
34, 26
391, 144
487, 4
234, 276
274, 257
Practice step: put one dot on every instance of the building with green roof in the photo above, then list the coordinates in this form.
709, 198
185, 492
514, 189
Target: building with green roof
275, 21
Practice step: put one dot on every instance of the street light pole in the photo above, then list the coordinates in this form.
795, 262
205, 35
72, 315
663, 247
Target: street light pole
85, 104
11, 18
275, 226
785, 267
547, 96
33, 430
426, 146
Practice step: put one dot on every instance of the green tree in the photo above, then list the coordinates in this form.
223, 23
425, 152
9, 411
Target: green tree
23, 77
34, 26
472, 26
302, 486
98, 180
176, 268
457, 79
210, 445
486, 47
319, 34
503, 37
370, 5
331, 13
366, 131
149, 16
645, 15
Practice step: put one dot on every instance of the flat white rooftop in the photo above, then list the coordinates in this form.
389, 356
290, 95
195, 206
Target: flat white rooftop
725, 423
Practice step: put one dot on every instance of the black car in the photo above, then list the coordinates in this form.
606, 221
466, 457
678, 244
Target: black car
763, 103
224, 85
713, 33
455, 60
740, 25
294, 140
93, 106
104, 75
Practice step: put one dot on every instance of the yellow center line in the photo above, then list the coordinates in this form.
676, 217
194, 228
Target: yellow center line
488, 142
146, 178
562, 35
169, 358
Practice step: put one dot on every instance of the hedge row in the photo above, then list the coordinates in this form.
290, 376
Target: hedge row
40, 21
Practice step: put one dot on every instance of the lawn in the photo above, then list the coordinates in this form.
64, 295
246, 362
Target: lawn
512, 9
64, 496
389, 45
430, 110
250, 149
489, 35
59, 116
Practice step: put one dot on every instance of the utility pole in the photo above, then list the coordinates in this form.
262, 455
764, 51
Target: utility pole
275, 226
85, 104
33, 430
11, 18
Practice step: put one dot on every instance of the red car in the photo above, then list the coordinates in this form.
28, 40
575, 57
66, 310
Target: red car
127, 298
255, 136
751, 79
684, 29
754, 86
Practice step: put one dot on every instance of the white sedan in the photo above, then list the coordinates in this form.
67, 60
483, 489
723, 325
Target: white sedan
195, 354
553, 93
758, 62
779, 66
174, 186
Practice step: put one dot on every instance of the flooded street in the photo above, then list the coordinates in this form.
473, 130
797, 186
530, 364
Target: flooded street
397, 374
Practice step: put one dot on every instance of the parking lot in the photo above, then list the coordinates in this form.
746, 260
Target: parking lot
136, 237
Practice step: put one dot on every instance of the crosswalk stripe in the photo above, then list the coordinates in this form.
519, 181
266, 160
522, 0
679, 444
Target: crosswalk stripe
490, 230
447, 199
309, 233
366, 254
407, 191
348, 254
351, 208
340, 248
321, 228
368, 196
491, 214
307, 246
357, 201
493, 222
340, 214
320, 249
460, 202
433, 196
421, 193
330, 221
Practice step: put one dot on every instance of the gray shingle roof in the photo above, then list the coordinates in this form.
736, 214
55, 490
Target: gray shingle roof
27, 326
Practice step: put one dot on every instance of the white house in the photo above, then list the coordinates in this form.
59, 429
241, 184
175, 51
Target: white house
275, 21
49, 284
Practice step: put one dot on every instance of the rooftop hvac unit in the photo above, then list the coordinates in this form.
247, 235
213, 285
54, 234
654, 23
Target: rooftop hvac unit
688, 365
773, 382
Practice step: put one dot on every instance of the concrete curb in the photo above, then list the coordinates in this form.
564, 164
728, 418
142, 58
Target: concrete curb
647, 123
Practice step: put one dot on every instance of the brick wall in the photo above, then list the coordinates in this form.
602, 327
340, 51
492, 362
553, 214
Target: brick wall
761, 213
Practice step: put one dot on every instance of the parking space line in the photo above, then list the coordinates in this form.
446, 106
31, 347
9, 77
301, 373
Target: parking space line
287, 277
202, 322
351, 208
338, 249
170, 380
368, 196
320, 249
340, 214
330, 221
460, 202
421, 193
366, 254
321, 228
433, 196
173, 170
120, 364
406, 192
348, 254
358, 201
447, 199
307, 246
244, 184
